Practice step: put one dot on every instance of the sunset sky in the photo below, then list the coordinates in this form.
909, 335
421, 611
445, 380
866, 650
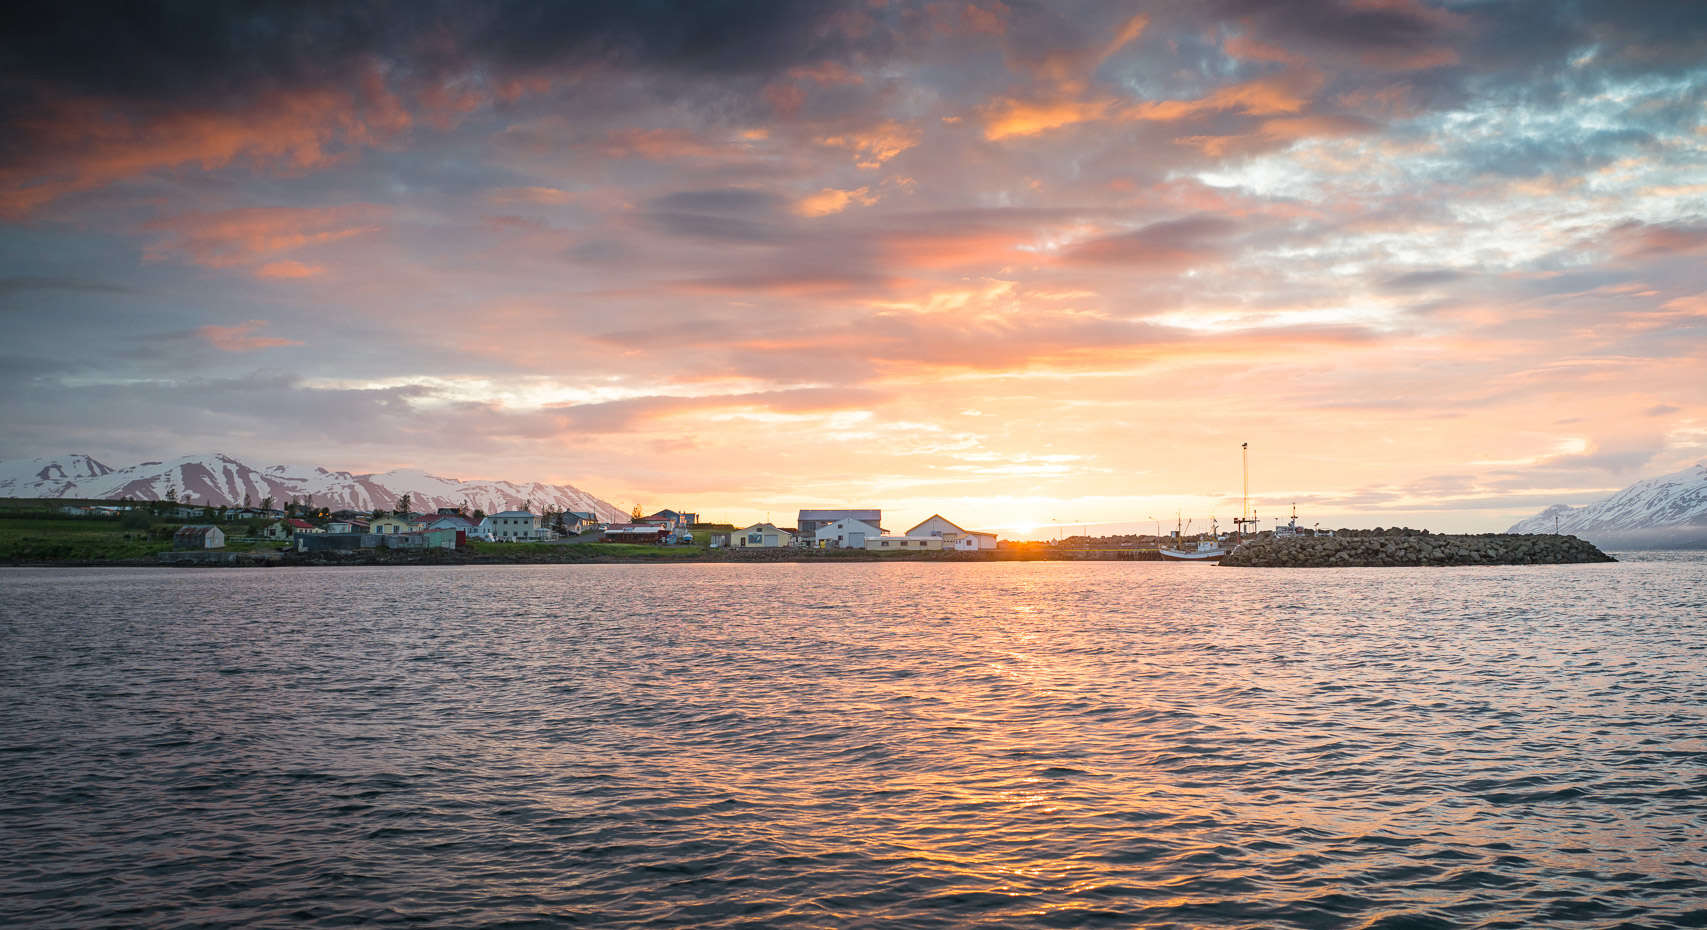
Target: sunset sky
1023, 264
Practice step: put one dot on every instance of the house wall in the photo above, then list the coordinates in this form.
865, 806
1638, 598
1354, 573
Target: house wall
515, 527
766, 538
904, 544
847, 534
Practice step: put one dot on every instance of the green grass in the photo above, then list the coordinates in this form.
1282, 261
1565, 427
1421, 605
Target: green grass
46, 539
51, 539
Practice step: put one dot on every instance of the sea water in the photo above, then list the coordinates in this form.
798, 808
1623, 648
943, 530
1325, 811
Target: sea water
855, 745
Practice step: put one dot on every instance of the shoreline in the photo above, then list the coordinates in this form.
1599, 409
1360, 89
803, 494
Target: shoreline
1377, 552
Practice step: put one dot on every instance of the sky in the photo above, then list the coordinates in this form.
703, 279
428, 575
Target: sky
1039, 267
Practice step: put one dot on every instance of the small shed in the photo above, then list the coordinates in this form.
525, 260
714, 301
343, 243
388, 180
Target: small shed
198, 536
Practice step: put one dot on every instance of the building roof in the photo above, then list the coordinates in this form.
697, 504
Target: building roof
297, 523
194, 531
938, 516
865, 516
514, 513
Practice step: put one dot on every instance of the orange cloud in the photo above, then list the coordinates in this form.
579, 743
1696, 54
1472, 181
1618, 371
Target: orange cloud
237, 237
876, 145
830, 200
289, 269
955, 249
241, 338
1288, 92
1007, 118
82, 144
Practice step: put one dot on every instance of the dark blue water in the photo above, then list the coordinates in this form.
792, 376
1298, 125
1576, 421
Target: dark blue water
856, 745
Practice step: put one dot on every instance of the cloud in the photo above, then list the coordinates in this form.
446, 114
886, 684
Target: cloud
1423, 280
289, 269
236, 237
241, 337
1177, 244
1658, 240
113, 91
830, 200
23, 284
873, 146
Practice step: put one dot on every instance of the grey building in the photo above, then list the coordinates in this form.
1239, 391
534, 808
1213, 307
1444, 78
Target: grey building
812, 520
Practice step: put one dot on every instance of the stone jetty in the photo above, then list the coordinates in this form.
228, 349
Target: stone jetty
1413, 547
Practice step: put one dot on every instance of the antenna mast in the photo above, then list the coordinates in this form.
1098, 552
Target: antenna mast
1247, 521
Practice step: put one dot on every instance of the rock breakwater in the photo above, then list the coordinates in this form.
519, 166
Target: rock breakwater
1421, 548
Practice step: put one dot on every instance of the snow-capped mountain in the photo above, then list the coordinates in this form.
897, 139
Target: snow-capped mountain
46, 477
219, 480
1663, 511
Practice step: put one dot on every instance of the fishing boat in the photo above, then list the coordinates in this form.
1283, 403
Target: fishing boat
1209, 550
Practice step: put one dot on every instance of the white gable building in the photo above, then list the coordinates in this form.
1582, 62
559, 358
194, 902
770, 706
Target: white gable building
846, 534
952, 536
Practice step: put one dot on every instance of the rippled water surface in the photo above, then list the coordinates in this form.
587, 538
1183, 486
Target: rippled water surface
856, 745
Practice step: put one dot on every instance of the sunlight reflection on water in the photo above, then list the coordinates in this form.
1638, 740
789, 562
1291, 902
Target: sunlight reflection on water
1026, 744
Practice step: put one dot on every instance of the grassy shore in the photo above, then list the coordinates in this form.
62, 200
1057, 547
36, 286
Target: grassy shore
75, 539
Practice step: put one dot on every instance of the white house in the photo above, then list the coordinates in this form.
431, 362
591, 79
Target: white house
514, 525
952, 536
845, 534
760, 536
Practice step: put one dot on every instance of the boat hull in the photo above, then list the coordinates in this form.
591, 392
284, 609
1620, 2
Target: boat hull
1178, 555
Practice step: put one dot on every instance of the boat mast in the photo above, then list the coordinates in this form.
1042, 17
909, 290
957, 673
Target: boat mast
1246, 521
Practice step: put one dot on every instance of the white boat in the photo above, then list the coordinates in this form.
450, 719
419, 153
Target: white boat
1207, 551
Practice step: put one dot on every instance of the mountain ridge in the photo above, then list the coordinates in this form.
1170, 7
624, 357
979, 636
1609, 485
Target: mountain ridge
1660, 512
221, 480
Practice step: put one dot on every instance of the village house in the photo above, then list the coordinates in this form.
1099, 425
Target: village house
952, 536
347, 526
391, 524
514, 525
845, 534
813, 520
454, 522
198, 537
579, 521
285, 529
761, 536
669, 519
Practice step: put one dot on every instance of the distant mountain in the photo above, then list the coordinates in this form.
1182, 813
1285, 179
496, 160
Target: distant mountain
220, 480
1664, 512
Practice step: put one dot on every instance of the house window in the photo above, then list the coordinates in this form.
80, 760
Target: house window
755, 539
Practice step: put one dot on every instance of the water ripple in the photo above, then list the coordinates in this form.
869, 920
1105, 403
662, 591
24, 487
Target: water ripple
721, 746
